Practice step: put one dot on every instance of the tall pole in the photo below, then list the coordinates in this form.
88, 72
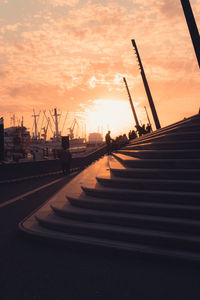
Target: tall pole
131, 103
147, 115
151, 103
1, 139
192, 26
56, 123
35, 124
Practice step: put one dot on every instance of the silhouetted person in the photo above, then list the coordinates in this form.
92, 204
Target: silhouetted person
130, 135
65, 160
108, 142
124, 139
148, 128
133, 135
143, 130
139, 130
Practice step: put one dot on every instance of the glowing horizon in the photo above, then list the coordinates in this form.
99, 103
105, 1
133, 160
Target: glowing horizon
70, 54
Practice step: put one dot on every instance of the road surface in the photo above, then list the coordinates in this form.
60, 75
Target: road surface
31, 270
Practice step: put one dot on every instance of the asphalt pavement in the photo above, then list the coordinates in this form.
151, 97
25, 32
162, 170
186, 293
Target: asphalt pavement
34, 270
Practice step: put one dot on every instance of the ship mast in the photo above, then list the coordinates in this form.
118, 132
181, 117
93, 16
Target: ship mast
56, 123
35, 124
192, 26
13, 120
131, 103
22, 122
147, 89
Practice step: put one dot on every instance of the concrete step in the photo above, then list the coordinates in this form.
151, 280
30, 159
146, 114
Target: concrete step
162, 154
143, 195
182, 124
171, 145
189, 125
119, 170
153, 209
102, 244
185, 174
127, 219
114, 163
172, 136
158, 238
150, 184
195, 126
137, 207
134, 162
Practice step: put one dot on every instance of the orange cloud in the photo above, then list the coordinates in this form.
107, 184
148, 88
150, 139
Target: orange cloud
55, 3
75, 51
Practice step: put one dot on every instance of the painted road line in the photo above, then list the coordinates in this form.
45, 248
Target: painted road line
21, 197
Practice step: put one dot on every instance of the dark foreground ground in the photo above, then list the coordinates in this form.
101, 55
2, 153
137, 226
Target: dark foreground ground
33, 270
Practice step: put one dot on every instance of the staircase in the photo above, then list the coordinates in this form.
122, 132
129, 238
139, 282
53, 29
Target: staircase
144, 198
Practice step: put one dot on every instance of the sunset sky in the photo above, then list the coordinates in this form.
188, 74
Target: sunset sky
73, 54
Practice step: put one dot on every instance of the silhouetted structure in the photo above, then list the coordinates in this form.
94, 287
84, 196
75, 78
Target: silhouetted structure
65, 155
65, 160
1, 140
151, 103
147, 116
194, 33
65, 142
131, 102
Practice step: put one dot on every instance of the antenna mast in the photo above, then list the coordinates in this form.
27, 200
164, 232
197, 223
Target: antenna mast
151, 103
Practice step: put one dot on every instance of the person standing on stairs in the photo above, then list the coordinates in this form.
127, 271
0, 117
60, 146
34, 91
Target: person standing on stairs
108, 142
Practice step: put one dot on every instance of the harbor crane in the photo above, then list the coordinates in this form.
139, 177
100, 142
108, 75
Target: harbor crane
71, 129
48, 121
64, 123
45, 129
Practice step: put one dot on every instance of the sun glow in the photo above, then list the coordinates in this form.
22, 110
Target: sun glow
107, 114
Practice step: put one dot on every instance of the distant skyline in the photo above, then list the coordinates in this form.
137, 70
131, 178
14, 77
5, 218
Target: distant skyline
73, 55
